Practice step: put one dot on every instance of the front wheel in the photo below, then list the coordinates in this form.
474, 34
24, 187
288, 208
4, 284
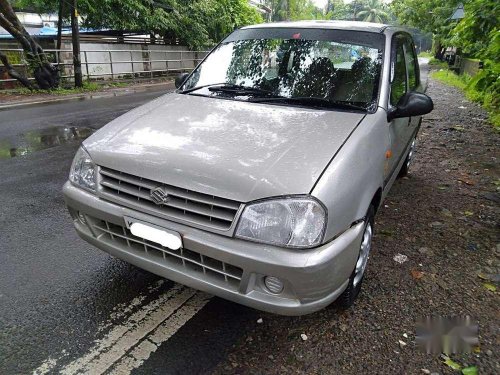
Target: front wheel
349, 295
409, 158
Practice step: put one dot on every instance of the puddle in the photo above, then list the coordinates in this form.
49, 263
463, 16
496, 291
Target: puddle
41, 139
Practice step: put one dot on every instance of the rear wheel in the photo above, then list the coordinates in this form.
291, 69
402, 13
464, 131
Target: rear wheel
409, 158
348, 297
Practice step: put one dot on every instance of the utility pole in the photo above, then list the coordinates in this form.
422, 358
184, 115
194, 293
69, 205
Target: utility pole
75, 39
60, 15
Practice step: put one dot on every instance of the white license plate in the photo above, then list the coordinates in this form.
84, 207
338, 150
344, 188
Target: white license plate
153, 233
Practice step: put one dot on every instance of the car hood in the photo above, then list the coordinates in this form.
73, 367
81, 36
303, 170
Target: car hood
227, 148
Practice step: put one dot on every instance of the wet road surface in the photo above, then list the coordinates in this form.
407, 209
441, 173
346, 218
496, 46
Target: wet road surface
66, 306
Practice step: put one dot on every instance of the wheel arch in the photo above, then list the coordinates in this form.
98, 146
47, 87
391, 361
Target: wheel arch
376, 200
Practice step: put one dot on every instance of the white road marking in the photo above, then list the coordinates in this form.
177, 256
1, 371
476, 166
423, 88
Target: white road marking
122, 310
45, 367
128, 344
48, 365
119, 311
162, 333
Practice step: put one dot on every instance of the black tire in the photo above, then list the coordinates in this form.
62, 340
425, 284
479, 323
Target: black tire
405, 168
347, 298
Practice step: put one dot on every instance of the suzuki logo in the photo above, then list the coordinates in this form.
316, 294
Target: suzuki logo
159, 196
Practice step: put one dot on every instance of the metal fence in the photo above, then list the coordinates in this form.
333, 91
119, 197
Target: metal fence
113, 63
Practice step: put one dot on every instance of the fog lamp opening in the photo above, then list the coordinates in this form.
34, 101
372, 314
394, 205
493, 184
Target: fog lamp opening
273, 284
81, 218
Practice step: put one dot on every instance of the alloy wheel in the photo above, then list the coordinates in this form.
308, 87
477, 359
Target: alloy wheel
364, 253
410, 154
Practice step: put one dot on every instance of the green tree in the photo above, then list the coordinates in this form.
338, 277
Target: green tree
293, 10
36, 6
197, 23
372, 11
46, 75
428, 15
338, 10
478, 33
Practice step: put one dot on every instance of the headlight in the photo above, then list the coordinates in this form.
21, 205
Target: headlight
291, 222
82, 171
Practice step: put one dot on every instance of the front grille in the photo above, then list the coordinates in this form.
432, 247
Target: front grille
185, 260
184, 205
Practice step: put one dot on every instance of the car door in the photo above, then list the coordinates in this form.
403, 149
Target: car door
413, 72
399, 129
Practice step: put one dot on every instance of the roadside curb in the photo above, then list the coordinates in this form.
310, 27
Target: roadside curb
168, 85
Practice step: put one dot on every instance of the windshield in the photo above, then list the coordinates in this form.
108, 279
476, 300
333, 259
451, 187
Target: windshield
335, 66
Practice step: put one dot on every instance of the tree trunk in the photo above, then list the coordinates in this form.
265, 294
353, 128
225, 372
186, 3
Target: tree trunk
75, 37
438, 49
14, 73
45, 74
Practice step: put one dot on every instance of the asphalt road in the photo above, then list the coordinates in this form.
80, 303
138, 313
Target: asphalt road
68, 307
64, 305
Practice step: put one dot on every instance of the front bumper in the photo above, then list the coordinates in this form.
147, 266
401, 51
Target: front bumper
230, 268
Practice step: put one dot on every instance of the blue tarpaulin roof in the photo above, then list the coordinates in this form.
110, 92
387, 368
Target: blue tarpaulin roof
50, 31
43, 32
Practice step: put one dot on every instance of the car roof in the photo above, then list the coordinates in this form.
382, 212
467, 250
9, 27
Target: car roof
327, 24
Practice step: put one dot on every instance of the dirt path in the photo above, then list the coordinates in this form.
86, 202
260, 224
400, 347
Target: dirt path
444, 218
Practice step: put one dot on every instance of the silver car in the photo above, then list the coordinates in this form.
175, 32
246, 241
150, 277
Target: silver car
259, 178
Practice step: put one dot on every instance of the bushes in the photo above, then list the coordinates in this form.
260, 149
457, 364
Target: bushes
425, 54
483, 88
438, 63
451, 79
477, 35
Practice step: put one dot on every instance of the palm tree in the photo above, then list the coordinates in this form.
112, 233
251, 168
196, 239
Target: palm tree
372, 11
280, 9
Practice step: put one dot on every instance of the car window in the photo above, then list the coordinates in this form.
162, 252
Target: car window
398, 86
411, 65
293, 65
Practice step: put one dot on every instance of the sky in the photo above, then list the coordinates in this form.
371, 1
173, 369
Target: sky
320, 3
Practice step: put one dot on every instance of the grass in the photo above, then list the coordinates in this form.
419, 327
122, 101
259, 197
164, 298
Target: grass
426, 54
448, 77
88, 86
438, 63
462, 82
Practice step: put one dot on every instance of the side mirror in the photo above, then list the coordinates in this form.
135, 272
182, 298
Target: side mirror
180, 79
411, 104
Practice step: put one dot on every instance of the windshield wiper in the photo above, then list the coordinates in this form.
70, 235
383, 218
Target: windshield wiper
187, 91
270, 97
309, 100
229, 88
239, 90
